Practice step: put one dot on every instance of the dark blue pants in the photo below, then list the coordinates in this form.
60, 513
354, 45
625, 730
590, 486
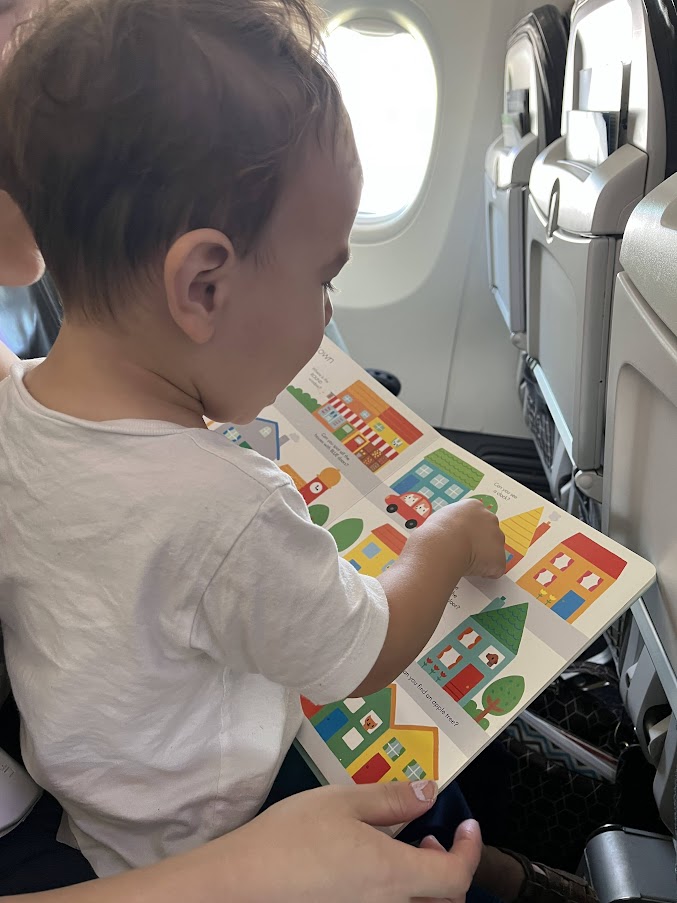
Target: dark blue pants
32, 860
441, 821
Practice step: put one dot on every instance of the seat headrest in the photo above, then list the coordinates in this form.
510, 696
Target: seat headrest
662, 17
30, 318
548, 31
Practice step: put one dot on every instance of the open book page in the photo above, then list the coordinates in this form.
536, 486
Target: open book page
371, 472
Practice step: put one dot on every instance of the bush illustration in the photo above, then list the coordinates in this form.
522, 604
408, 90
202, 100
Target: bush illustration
309, 403
319, 514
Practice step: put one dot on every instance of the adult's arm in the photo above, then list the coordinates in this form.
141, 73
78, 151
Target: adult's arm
315, 846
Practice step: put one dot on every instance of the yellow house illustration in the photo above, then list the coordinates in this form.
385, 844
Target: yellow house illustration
381, 548
521, 532
573, 576
408, 754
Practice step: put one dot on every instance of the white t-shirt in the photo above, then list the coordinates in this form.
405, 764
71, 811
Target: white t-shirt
164, 600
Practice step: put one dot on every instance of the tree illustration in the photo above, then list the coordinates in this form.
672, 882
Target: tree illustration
309, 403
319, 514
499, 698
347, 532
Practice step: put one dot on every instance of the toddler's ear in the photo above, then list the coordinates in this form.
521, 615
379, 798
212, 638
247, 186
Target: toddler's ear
197, 275
21, 262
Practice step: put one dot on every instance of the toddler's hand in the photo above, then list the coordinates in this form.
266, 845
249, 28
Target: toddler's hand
469, 523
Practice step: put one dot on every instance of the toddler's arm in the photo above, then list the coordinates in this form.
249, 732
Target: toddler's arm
283, 604
460, 540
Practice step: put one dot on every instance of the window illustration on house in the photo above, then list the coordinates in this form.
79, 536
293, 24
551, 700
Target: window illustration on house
439, 503
428, 493
589, 581
449, 657
424, 470
378, 426
352, 739
371, 722
387, 565
347, 398
393, 749
332, 416
355, 704
454, 491
355, 564
545, 577
232, 434
469, 638
562, 561
371, 550
365, 415
413, 771
265, 431
493, 657
439, 481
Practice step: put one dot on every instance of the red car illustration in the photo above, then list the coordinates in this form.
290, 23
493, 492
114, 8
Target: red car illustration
412, 506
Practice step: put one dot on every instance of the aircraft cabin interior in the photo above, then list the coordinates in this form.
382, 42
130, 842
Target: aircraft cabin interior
513, 280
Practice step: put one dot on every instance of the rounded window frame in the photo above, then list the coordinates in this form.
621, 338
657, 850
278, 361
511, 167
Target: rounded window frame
372, 228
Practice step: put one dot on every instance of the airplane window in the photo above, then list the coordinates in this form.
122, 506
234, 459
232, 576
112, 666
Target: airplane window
388, 82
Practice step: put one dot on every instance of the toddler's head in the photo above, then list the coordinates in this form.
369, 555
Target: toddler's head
189, 172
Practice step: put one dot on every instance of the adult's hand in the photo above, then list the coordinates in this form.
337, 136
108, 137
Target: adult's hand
324, 847
319, 845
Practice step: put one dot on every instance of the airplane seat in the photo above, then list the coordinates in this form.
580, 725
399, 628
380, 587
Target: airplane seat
617, 144
30, 318
388, 380
639, 505
532, 110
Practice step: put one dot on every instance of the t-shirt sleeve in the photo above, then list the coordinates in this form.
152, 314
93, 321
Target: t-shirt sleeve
283, 604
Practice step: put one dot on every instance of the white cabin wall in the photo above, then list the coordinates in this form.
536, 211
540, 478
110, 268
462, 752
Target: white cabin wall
418, 304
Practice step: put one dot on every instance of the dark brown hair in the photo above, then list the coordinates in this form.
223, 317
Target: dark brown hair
124, 123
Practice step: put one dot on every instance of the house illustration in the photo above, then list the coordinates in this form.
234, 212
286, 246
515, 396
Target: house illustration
441, 478
465, 661
367, 426
373, 555
521, 532
365, 737
262, 435
313, 489
572, 576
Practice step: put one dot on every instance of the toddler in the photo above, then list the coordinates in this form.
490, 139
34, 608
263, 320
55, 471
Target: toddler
191, 178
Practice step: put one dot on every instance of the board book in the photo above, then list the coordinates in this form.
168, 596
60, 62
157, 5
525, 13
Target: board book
371, 472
